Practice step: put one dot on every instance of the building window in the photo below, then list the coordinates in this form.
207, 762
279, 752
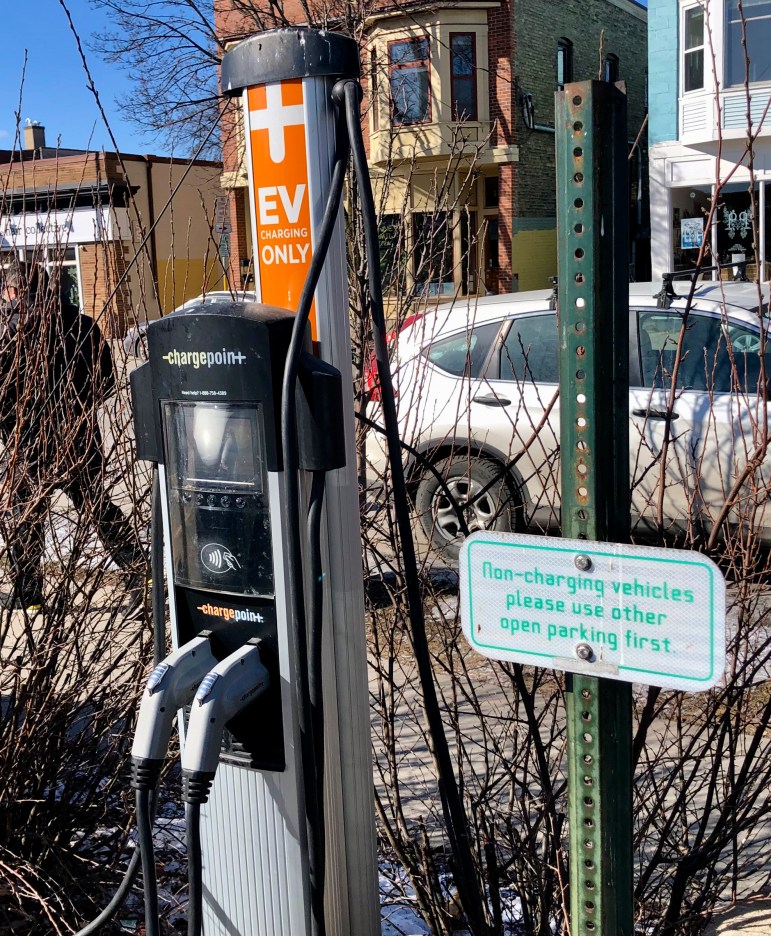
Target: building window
564, 63
432, 238
373, 93
610, 69
59, 263
393, 255
693, 49
491, 191
408, 61
463, 82
757, 25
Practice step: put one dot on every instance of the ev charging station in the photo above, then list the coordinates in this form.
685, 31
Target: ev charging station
208, 407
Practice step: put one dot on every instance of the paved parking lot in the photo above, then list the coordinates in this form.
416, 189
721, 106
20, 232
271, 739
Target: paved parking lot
746, 919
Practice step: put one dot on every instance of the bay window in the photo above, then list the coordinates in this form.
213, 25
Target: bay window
756, 16
463, 85
409, 80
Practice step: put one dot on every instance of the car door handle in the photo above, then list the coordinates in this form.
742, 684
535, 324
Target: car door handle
491, 400
655, 414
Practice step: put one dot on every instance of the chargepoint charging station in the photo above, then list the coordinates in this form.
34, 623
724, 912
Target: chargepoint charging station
209, 411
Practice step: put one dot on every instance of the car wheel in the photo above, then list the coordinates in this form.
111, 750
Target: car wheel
140, 347
476, 487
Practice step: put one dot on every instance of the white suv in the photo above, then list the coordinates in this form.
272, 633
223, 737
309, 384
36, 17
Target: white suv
477, 398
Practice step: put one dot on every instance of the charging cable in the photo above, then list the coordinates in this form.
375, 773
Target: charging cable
232, 685
452, 805
159, 646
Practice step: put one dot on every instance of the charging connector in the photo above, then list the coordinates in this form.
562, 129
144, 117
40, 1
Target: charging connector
232, 685
170, 686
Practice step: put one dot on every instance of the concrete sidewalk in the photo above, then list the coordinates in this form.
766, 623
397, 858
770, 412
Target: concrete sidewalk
752, 918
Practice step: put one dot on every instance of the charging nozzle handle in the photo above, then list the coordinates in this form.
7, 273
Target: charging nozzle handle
232, 685
170, 686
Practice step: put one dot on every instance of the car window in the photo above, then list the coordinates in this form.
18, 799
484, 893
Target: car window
464, 353
530, 351
718, 356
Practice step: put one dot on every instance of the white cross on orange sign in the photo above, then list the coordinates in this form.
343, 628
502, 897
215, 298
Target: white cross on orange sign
274, 118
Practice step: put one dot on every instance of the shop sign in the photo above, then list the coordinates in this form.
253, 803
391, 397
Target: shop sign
63, 228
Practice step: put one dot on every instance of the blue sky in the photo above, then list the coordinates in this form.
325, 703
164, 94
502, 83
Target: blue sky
54, 91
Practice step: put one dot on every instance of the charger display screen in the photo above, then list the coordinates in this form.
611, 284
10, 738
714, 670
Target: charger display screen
215, 444
219, 511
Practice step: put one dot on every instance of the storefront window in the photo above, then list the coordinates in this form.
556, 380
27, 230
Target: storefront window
735, 234
393, 255
690, 209
61, 263
766, 269
469, 236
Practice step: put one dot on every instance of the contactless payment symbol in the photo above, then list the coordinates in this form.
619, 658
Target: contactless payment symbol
218, 559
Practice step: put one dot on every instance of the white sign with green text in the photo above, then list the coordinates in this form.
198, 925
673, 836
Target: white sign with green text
633, 613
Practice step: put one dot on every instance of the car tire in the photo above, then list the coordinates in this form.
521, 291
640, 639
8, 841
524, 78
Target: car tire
498, 508
140, 347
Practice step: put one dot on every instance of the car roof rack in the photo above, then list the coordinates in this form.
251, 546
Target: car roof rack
667, 292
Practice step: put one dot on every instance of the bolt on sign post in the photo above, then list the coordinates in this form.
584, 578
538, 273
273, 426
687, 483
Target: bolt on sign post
593, 239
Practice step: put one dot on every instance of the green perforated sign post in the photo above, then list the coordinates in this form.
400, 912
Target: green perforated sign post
606, 613
593, 239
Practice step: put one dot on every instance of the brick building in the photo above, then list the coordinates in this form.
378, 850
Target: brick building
87, 213
459, 124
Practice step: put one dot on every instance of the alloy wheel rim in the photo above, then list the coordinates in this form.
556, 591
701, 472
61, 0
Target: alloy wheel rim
480, 514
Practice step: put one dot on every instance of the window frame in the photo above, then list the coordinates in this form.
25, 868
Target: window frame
711, 364
684, 53
404, 66
494, 369
564, 62
428, 229
611, 68
727, 45
472, 78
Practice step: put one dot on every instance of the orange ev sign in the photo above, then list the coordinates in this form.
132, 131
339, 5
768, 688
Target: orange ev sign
281, 203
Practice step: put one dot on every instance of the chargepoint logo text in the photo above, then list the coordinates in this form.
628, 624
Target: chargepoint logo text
231, 614
196, 359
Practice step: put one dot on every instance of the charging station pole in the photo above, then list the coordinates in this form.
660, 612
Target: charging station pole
285, 78
208, 410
